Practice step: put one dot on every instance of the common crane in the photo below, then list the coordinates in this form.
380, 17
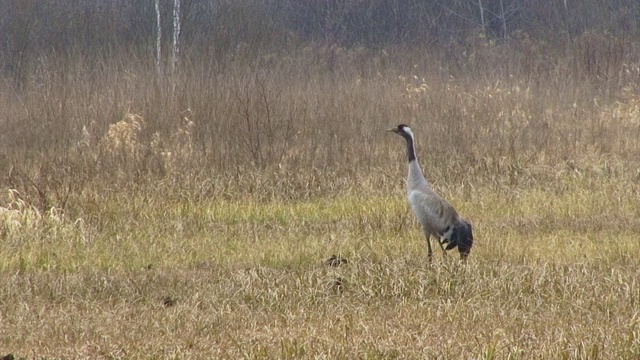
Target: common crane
437, 217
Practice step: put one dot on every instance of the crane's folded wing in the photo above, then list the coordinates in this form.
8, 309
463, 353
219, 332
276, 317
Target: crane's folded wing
432, 210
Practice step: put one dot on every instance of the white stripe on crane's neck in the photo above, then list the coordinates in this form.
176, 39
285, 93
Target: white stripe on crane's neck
408, 131
415, 178
411, 149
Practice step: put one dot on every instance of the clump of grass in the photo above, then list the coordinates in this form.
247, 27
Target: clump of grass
40, 240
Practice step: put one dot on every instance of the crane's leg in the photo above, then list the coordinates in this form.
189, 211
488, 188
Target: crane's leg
429, 251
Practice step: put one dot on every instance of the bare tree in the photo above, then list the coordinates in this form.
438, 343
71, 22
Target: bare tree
158, 40
176, 36
503, 18
492, 17
510, 11
482, 21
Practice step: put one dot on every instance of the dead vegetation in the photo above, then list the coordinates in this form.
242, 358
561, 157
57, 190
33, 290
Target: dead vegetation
189, 217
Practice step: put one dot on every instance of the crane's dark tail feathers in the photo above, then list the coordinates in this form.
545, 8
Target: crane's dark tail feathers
462, 237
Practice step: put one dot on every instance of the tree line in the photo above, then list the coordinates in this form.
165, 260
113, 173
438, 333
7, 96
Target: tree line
31, 28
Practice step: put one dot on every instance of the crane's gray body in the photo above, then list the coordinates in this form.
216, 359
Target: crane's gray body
437, 217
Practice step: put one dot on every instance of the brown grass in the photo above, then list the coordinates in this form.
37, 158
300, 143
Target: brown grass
189, 216
390, 307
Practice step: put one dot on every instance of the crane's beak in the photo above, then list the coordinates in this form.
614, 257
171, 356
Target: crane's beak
393, 130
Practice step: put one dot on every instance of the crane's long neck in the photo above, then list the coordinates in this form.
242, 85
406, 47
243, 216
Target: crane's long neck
415, 178
411, 149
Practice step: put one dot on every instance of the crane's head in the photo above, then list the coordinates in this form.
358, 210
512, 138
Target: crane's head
402, 130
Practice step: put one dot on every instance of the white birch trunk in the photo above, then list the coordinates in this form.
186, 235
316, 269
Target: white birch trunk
158, 40
484, 29
176, 36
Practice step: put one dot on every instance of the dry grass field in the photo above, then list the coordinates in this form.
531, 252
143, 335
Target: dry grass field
190, 217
